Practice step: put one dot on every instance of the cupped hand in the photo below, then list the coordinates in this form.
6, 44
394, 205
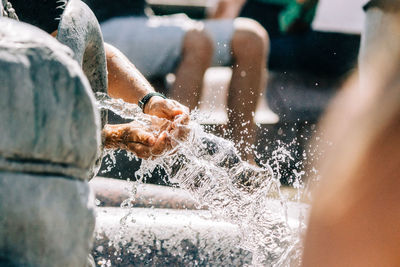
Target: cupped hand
136, 138
166, 108
173, 111
179, 129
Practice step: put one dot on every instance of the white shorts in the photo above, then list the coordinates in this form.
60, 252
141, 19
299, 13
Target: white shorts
154, 44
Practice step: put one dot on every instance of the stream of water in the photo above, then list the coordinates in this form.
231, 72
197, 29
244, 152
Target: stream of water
210, 168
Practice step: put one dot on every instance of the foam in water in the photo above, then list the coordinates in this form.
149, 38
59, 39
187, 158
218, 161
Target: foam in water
210, 168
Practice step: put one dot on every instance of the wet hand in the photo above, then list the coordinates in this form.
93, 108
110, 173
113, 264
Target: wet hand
176, 113
134, 137
177, 130
166, 108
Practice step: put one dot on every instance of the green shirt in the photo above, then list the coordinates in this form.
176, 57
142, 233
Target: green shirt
294, 14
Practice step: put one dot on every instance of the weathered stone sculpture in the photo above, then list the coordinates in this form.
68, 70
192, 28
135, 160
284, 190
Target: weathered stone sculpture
49, 139
6, 10
79, 30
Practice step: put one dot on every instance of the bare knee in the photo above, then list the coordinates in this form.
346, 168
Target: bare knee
250, 40
198, 45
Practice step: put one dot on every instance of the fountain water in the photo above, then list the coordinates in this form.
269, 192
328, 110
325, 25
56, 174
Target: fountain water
39, 162
211, 170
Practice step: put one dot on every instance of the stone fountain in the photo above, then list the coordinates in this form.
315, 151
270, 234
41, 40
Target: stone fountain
50, 144
50, 139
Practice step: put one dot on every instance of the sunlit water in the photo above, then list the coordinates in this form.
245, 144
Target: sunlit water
210, 169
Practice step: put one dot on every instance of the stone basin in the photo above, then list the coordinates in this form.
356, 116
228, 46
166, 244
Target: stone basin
160, 237
147, 236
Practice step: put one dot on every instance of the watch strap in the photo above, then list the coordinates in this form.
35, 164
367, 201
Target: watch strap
142, 103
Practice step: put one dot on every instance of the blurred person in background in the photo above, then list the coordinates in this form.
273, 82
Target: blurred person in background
355, 214
159, 45
381, 18
313, 48
294, 44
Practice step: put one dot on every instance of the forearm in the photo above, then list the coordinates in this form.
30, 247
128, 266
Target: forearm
127, 83
124, 80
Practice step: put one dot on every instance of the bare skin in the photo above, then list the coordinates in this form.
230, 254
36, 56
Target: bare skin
127, 83
249, 47
355, 214
196, 58
133, 137
249, 50
228, 9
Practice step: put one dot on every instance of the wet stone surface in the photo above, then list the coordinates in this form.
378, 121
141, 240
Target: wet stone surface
45, 220
161, 237
48, 122
49, 141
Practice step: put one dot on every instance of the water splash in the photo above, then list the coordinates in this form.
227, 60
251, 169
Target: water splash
210, 168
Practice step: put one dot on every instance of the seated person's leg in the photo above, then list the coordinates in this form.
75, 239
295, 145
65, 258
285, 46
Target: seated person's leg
249, 47
159, 45
243, 44
154, 44
196, 58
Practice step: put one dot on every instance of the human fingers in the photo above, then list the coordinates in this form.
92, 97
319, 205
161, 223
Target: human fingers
179, 128
182, 119
120, 135
139, 141
165, 108
180, 133
162, 144
133, 137
160, 124
177, 109
135, 134
140, 150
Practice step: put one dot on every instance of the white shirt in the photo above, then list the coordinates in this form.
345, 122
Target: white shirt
346, 16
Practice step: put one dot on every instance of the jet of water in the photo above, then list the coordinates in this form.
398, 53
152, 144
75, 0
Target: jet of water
210, 168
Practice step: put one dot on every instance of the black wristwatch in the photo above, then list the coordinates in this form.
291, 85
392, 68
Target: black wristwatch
147, 97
